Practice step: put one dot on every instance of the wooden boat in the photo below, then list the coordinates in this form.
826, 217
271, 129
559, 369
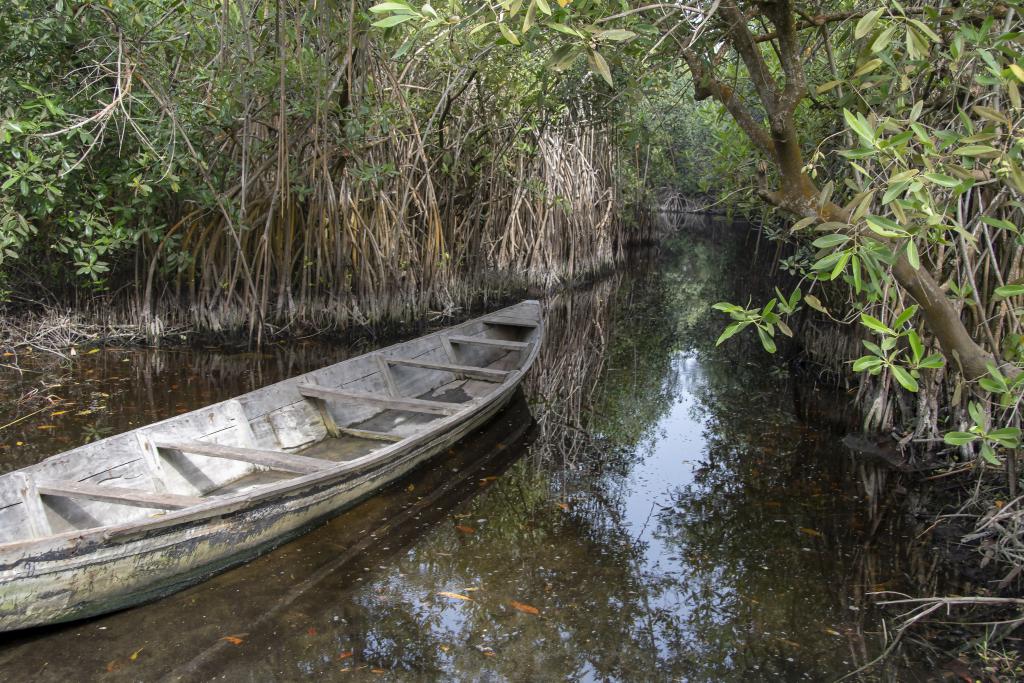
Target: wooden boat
145, 513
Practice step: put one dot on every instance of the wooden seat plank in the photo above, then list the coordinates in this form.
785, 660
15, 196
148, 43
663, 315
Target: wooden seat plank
462, 371
366, 434
509, 321
415, 405
275, 460
485, 341
116, 494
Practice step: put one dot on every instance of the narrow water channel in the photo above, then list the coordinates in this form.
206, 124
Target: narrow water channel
650, 508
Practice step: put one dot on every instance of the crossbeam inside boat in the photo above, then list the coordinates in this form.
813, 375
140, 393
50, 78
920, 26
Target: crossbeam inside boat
116, 494
414, 405
461, 371
275, 460
488, 341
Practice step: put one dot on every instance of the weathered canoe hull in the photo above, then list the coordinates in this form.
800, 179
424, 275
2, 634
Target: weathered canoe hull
75, 583
83, 572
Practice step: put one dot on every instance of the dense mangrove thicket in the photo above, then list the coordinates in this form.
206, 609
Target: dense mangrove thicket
268, 164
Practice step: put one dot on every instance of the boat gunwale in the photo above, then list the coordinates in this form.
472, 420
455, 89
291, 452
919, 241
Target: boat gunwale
246, 500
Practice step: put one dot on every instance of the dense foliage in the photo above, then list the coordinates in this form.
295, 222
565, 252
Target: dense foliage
268, 163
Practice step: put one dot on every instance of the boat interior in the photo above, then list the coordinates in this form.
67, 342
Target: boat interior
331, 419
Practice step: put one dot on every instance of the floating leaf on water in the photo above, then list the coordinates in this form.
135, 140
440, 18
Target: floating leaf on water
346, 654
135, 655
92, 352
832, 632
523, 607
46, 427
378, 671
811, 532
564, 506
455, 596
445, 648
57, 412
465, 529
410, 488
234, 640
311, 631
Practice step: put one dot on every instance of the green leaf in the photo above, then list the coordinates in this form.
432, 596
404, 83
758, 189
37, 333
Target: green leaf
616, 35
543, 6
528, 19
562, 28
825, 87
875, 324
600, 66
933, 361
563, 57
958, 438
840, 265
867, 67
827, 262
866, 363
904, 378
974, 410
989, 455
977, 151
991, 114
912, 256
904, 317
393, 20
828, 241
866, 23
872, 347
391, 7
1008, 437
923, 28
916, 347
508, 34
730, 330
859, 125
883, 39
885, 227
940, 179
815, 303
1006, 291
766, 341
999, 223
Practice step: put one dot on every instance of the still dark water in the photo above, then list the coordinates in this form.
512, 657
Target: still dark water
650, 508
